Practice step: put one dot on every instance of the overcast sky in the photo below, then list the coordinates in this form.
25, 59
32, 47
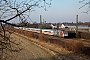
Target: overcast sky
62, 11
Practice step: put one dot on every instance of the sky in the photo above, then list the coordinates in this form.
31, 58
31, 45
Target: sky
61, 11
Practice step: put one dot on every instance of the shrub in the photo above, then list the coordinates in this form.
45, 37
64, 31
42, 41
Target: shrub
41, 37
75, 46
85, 35
36, 35
86, 50
31, 34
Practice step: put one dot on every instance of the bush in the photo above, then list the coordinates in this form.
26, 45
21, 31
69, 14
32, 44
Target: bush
41, 37
86, 50
30, 34
36, 35
75, 46
85, 35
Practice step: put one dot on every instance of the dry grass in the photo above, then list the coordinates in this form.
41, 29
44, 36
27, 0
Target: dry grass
71, 45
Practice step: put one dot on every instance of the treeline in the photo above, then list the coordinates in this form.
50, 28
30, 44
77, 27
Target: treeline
47, 25
35, 25
79, 23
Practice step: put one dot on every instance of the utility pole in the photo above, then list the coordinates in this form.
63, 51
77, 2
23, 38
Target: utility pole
89, 26
57, 29
40, 24
76, 26
43, 21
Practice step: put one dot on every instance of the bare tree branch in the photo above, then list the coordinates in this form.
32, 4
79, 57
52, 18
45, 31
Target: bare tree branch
85, 3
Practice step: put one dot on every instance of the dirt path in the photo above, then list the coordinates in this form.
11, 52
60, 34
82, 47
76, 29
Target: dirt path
30, 51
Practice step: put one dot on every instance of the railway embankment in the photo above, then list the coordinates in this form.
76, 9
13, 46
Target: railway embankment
77, 45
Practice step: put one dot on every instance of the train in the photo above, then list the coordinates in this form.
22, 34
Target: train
60, 33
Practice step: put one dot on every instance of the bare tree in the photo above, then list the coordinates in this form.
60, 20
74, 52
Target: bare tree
17, 10
14, 9
85, 3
